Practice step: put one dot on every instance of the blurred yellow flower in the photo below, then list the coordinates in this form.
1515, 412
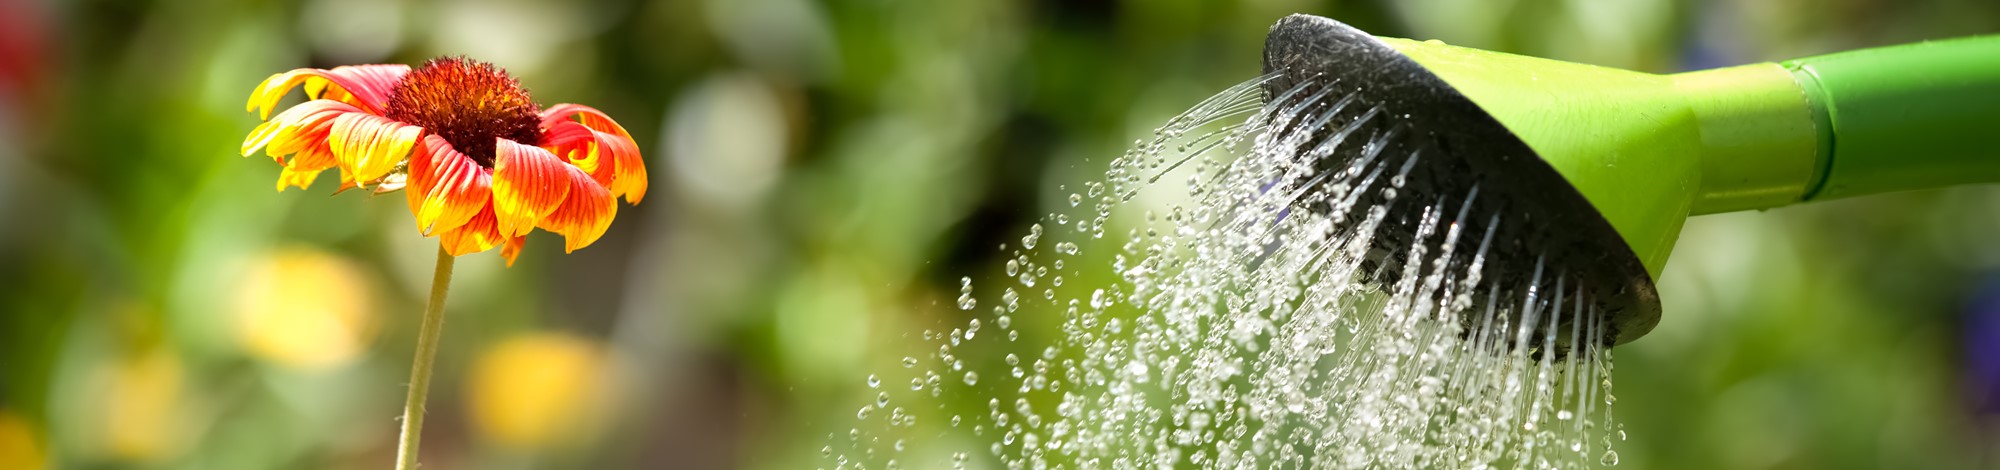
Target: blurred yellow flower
537, 390
304, 309
20, 448
140, 412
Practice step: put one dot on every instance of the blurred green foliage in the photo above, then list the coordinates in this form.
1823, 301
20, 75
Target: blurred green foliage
823, 174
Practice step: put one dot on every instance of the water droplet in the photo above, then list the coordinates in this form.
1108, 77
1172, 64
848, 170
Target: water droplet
1034, 236
1610, 458
874, 382
971, 378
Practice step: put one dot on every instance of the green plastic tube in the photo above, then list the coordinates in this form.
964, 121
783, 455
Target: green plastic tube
1759, 144
1914, 116
1650, 150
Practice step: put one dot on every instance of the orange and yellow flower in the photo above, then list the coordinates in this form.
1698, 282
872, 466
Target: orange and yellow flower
482, 164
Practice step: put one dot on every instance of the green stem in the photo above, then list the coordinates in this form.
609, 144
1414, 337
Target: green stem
420, 369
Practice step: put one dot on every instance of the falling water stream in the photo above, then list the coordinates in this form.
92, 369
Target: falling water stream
1245, 307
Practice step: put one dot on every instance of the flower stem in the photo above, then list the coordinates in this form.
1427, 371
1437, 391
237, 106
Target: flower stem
420, 369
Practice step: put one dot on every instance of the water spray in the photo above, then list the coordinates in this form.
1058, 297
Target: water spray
1398, 254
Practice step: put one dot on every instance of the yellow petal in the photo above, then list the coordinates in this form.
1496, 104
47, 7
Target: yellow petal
287, 133
303, 179
369, 146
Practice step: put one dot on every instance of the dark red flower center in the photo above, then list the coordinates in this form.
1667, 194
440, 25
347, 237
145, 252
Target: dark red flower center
469, 103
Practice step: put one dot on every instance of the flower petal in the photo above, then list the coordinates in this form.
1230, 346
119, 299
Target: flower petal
624, 173
477, 235
295, 128
630, 178
572, 142
301, 132
590, 117
446, 188
512, 249
585, 215
528, 183
370, 146
306, 166
366, 86
578, 145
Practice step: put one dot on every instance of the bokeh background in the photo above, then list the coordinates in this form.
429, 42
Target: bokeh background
823, 174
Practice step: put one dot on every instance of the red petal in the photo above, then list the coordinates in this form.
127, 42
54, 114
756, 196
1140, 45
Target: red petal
370, 146
578, 146
446, 188
528, 183
478, 234
630, 179
590, 117
585, 215
366, 86
573, 142
624, 173
566, 134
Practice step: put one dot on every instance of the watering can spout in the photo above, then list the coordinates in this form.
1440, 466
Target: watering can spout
1648, 150
1598, 168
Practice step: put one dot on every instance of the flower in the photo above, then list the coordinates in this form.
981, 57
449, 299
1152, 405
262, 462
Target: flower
482, 164
304, 309
538, 390
138, 409
20, 446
